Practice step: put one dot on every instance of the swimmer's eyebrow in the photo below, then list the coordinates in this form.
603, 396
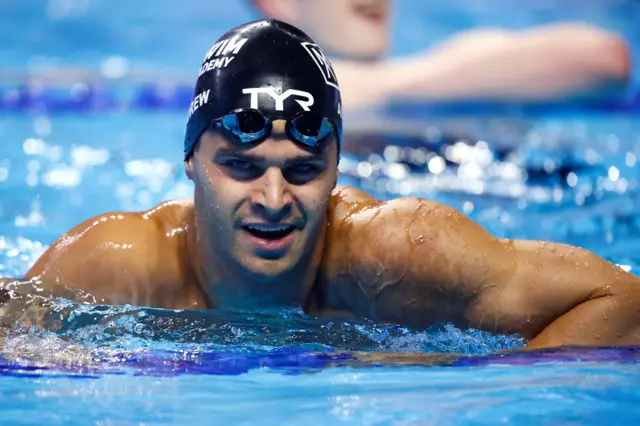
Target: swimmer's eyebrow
224, 152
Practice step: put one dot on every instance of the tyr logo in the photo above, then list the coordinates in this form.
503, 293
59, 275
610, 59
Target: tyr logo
305, 103
323, 63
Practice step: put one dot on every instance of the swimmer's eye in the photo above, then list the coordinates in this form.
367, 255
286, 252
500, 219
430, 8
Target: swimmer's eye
302, 173
240, 165
303, 168
238, 168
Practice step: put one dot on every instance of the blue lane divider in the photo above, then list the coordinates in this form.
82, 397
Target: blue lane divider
80, 97
87, 97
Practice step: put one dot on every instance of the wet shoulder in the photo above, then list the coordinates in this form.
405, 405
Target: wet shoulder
359, 234
347, 209
145, 239
125, 257
160, 232
351, 206
170, 218
347, 201
121, 227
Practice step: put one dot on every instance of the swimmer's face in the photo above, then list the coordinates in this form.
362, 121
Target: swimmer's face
352, 28
264, 205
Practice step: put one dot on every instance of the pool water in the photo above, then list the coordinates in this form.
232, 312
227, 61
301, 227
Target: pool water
561, 175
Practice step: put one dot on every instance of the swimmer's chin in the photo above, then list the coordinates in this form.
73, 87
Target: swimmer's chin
267, 270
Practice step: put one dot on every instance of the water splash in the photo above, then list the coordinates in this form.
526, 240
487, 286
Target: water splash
75, 336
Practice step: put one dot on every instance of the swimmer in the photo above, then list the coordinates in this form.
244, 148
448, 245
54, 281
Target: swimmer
548, 62
268, 226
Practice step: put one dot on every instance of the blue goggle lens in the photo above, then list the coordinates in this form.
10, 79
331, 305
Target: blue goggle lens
250, 126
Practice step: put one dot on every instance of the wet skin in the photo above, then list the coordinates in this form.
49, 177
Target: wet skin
410, 261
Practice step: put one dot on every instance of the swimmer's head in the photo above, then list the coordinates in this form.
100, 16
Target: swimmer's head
357, 29
263, 71
261, 146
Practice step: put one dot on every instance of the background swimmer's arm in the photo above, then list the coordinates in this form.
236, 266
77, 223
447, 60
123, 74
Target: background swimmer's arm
417, 262
547, 62
108, 256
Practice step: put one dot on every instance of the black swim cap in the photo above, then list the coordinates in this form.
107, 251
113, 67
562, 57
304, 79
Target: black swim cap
269, 66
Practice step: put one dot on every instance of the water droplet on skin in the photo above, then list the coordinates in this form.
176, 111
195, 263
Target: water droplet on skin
419, 239
508, 244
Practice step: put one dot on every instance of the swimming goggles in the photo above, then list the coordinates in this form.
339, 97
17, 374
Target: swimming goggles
251, 126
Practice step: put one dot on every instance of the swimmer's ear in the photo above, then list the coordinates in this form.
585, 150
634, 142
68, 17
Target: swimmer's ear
283, 10
189, 167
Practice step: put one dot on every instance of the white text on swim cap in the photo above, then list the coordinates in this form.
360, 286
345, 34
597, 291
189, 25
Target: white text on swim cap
198, 101
322, 62
279, 99
224, 48
213, 64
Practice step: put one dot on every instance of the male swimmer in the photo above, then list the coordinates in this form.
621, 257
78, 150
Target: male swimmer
269, 227
544, 63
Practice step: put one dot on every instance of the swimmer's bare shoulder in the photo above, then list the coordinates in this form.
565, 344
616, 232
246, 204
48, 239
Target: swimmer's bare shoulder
418, 262
405, 260
136, 258
362, 255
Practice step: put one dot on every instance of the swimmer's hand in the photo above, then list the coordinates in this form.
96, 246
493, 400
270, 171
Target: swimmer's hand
27, 306
23, 308
417, 262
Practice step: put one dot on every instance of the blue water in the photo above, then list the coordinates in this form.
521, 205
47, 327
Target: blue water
569, 177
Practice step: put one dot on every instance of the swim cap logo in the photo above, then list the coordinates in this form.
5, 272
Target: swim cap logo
224, 48
254, 92
322, 62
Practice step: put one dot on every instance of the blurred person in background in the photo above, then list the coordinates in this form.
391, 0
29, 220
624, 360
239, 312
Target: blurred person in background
549, 62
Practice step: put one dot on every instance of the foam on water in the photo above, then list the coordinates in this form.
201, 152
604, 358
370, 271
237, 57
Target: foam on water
57, 332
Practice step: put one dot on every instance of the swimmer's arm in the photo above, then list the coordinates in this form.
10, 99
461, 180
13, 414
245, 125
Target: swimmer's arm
417, 262
600, 301
549, 62
106, 256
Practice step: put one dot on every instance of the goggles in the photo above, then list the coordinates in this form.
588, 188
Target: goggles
251, 126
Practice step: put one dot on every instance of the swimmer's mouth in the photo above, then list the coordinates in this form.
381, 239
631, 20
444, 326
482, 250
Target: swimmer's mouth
371, 12
269, 232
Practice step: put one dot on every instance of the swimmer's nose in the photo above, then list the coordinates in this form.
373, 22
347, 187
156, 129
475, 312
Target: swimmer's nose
273, 200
